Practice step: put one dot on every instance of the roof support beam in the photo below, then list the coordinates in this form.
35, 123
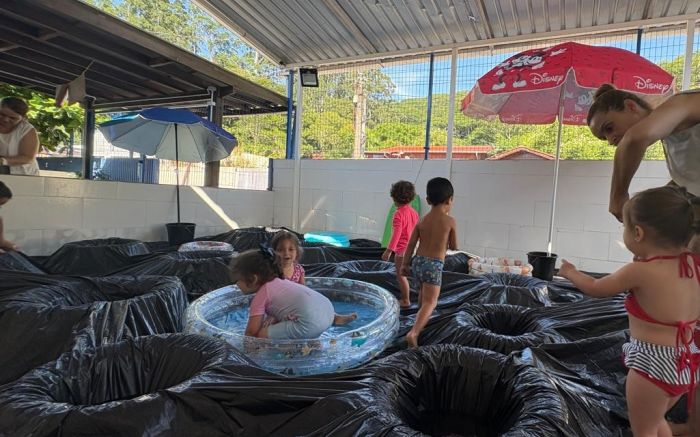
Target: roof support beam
84, 55
130, 33
485, 19
350, 25
44, 63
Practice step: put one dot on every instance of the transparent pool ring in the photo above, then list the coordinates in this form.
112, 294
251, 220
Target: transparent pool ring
223, 313
205, 245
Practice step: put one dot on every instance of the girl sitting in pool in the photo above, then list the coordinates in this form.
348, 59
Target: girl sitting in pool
288, 248
281, 309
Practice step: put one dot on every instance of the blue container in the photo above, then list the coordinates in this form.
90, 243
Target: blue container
327, 237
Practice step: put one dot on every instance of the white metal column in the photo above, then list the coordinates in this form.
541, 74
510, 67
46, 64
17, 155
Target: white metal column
690, 37
297, 158
451, 113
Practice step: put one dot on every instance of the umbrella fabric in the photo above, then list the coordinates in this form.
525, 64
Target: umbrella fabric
527, 87
152, 132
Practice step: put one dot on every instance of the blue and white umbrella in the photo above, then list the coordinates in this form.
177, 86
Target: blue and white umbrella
174, 134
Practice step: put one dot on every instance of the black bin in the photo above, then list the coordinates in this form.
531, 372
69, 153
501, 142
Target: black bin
542, 264
179, 233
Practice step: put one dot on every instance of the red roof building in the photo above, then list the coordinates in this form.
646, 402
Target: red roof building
520, 153
436, 152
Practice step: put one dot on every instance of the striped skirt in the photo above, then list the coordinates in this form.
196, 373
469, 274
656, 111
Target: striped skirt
658, 362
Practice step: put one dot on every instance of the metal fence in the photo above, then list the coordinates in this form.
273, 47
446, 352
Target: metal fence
380, 109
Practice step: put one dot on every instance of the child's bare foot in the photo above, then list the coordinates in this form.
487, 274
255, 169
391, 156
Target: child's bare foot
404, 303
342, 319
412, 339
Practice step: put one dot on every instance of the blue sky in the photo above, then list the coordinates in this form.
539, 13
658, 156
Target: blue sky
412, 79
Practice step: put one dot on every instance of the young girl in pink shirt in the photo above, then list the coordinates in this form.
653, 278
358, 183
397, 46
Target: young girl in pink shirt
281, 308
405, 219
289, 251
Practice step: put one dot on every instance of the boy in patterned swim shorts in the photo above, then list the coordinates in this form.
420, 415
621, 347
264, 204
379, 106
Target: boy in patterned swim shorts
436, 233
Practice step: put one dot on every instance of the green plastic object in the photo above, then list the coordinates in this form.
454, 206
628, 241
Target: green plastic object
415, 204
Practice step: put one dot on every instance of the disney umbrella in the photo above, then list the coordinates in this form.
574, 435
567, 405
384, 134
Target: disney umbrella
539, 86
174, 134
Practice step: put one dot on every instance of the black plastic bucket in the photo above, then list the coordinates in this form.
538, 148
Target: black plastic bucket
179, 233
542, 265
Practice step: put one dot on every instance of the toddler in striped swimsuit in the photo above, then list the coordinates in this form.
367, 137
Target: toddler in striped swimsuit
663, 303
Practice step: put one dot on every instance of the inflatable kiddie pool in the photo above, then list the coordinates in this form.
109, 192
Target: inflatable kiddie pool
223, 313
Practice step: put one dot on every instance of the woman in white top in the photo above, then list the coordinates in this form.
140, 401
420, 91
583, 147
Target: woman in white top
19, 142
628, 122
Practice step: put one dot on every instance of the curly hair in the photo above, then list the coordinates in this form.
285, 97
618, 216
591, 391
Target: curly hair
403, 192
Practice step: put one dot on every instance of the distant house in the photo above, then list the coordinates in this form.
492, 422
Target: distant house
436, 152
520, 153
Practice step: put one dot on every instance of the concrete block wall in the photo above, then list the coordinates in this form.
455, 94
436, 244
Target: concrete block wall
46, 213
502, 207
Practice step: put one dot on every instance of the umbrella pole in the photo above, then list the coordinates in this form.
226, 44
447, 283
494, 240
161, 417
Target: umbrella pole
177, 176
556, 174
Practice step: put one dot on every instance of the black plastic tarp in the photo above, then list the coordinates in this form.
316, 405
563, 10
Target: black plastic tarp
94, 257
248, 238
155, 386
590, 376
435, 390
199, 271
495, 327
43, 316
564, 374
17, 261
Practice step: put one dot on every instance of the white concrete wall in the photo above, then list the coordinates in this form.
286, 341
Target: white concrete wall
502, 207
47, 212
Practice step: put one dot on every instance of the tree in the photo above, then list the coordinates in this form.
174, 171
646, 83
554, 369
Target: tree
675, 67
54, 125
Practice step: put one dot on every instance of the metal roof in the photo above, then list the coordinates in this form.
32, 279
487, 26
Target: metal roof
45, 43
296, 33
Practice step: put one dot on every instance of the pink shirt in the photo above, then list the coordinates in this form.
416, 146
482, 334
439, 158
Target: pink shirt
281, 298
405, 219
297, 274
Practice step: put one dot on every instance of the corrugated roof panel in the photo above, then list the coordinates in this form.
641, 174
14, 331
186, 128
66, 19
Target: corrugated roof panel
320, 32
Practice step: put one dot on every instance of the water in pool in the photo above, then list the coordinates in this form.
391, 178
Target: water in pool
236, 321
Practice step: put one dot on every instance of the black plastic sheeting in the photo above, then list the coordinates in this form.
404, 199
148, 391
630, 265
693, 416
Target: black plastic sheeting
199, 271
155, 385
563, 374
248, 238
94, 257
446, 390
17, 261
494, 327
42, 316
590, 377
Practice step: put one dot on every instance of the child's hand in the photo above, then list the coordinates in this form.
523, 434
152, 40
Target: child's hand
566, 269
386, 255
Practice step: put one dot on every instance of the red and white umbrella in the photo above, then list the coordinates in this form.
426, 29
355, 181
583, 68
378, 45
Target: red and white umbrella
540, 86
